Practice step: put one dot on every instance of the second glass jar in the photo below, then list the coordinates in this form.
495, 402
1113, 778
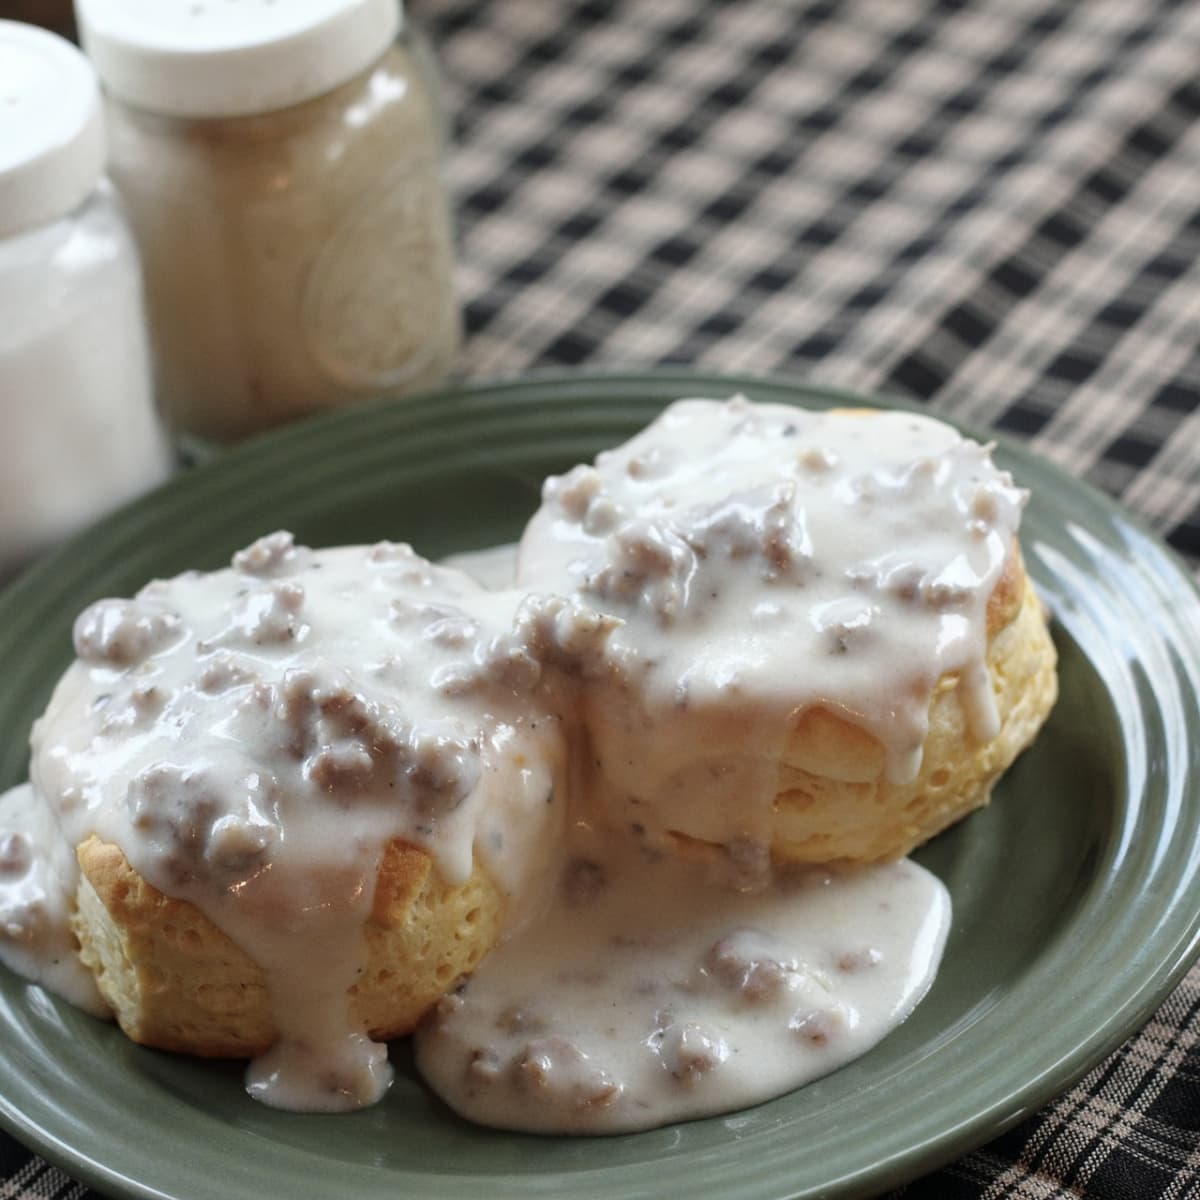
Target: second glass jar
299, 257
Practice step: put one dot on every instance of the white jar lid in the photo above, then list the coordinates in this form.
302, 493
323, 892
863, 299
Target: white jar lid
51, 128
229, 58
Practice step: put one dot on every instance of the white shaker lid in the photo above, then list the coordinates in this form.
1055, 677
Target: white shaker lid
229, 58
51, 128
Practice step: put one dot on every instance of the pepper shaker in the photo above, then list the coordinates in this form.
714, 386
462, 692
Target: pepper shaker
283, 168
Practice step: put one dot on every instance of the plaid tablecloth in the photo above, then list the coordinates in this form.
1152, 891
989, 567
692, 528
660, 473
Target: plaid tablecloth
993, 207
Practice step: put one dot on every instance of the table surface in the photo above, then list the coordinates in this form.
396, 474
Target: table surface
991, 207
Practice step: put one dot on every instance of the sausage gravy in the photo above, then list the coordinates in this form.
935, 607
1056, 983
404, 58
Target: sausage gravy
252, 738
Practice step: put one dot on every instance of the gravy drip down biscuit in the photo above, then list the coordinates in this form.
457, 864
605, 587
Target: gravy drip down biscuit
306, 794
828, 647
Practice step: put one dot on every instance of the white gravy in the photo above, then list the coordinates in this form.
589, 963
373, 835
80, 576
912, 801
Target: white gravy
649, 994
495, 567
253, 737
37, 892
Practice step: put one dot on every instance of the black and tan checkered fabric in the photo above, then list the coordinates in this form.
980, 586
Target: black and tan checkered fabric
993, 207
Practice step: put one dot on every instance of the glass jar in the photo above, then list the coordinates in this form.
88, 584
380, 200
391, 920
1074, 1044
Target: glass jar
283, 168
78, 429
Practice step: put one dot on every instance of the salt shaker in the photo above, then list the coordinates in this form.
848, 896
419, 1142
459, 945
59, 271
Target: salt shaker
283, 167
78, 429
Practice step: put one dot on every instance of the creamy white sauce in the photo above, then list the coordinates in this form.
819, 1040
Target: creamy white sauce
495, 567
650, 994
37, 893
253, 738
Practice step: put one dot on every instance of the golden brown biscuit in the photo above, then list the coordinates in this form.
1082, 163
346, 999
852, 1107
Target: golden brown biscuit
176, 982
835, 802
827, 647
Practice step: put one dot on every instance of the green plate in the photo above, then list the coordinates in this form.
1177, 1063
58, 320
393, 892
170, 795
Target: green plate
1075, 892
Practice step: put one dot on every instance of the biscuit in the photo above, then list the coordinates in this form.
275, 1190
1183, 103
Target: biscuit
835, 802
828, 648
176, 982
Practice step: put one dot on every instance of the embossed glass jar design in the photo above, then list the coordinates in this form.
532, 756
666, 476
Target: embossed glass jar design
282, 165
